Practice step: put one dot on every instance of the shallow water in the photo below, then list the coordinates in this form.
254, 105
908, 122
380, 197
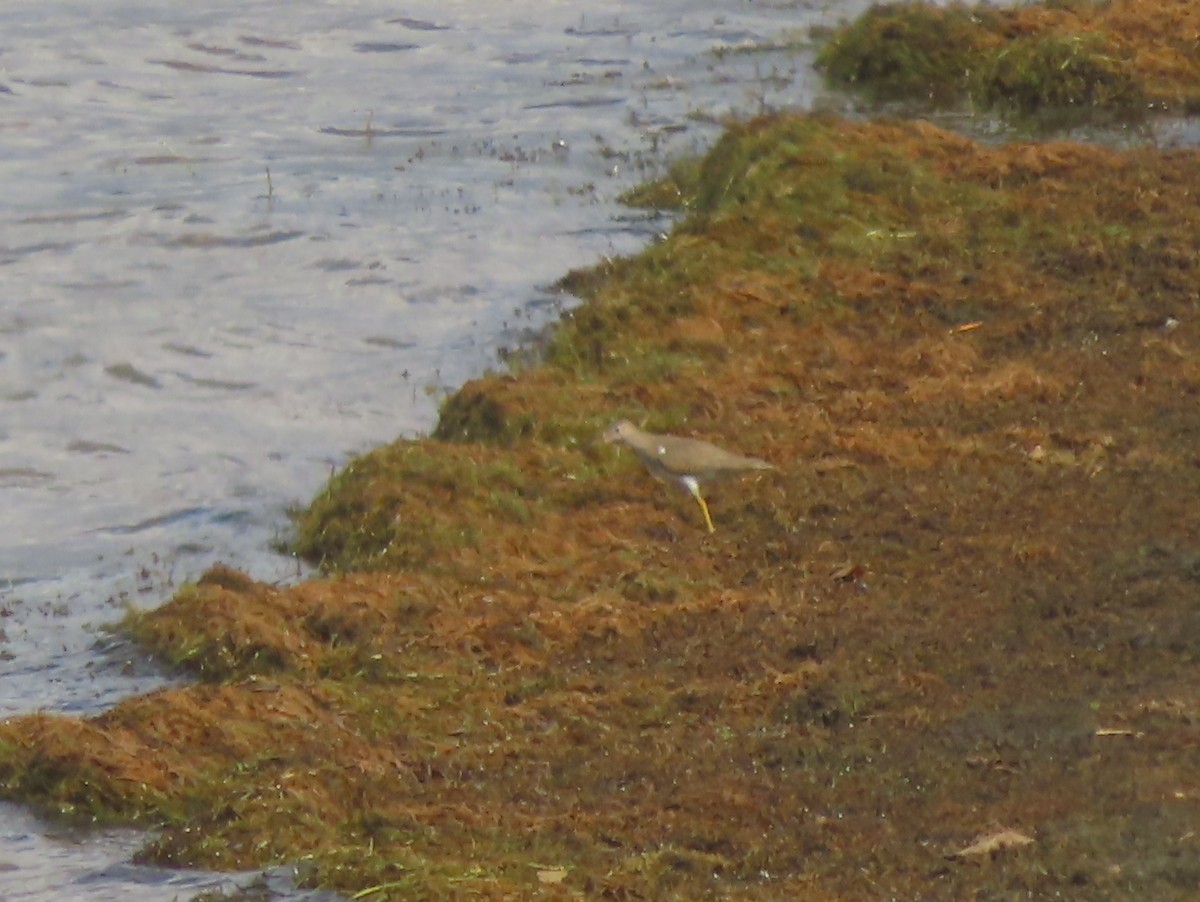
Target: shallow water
91, 865
242, 242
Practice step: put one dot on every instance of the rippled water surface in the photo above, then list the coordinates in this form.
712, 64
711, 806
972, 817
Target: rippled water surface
240, 242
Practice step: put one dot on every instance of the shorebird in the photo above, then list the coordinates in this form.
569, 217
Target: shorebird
686, 461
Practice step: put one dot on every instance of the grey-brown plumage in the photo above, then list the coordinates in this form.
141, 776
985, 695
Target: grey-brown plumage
686, 461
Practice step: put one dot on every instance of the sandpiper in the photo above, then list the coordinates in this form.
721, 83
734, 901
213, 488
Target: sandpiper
687, 461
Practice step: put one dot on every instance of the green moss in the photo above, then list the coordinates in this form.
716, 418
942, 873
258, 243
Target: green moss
471, 415
667, 193
74, 789
909, 51
1040, 61
1056, 73
373, 513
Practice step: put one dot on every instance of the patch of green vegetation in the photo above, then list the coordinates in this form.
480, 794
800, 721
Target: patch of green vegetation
377, 512
1039, 61
910, 51
75, 788
1056, 73
666, 193
471, 415
211, 657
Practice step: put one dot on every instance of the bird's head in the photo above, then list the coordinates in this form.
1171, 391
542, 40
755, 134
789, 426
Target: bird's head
620, 431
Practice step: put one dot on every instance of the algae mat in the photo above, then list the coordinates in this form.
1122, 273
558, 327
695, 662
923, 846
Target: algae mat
947, 651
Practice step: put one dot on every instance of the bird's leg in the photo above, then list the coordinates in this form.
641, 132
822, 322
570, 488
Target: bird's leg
707, 518
694, 487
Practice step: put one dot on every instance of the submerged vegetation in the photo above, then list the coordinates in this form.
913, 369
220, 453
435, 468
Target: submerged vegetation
947, 650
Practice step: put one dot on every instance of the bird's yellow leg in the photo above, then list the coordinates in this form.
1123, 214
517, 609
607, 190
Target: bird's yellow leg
693, 485
703, 506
